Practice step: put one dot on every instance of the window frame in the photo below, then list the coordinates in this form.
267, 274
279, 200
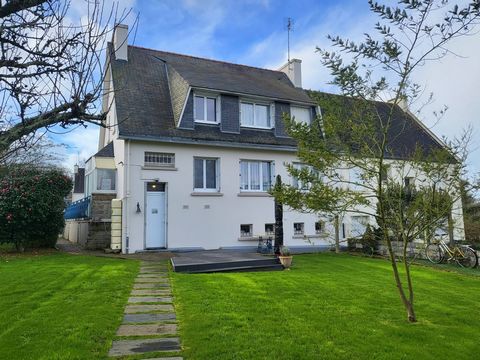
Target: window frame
205, 96
204, 178
159, 165
270, 111
260, 174
308, 108
270, 233
246, 235
297, 233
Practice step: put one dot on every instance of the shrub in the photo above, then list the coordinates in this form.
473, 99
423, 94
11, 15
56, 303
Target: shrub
31, 206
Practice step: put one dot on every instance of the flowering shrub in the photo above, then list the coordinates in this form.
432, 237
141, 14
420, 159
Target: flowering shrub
31, 206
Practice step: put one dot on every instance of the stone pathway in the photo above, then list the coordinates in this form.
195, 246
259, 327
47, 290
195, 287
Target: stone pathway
149, 323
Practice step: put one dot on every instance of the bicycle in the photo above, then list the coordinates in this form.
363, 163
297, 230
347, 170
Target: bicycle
464, 255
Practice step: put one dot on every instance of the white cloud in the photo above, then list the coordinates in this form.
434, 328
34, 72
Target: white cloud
81, 144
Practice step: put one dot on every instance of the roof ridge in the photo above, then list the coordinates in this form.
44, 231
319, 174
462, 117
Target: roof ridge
208, 59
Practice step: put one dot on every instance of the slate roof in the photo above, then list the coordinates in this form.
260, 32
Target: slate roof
79, 181
144, 103
106, 151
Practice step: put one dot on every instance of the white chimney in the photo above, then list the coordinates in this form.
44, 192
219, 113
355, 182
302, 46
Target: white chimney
293, 69
120, 41
75, 169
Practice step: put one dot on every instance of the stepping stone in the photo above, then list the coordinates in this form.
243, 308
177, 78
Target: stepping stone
151, 292
133, 347
152, 280
149, 299
153, 272
138, 286
147, 276
146, 330
147, 318
135, 309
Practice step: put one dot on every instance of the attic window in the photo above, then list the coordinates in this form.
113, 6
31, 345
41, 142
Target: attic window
301, 114
256, 115
205, 109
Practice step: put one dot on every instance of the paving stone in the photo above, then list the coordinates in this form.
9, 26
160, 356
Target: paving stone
157, 279
135, 309
151, 292
166, 358
138, 286
147, 276
147, 318
145, 330
153, 272
149, 299
133, 347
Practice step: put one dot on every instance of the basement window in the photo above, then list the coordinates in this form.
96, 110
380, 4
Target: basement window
298, 228
269, 229
246, 230
319, 227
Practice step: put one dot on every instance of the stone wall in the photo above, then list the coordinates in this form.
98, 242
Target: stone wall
101, 207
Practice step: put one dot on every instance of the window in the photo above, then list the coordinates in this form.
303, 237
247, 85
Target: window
409, 181
205, 174
105, 179
269, 229
246, 230
298, 183
359, 225
298, 228
159, 159
356, 179
319, 227
255, 115
301, 114
255, 175
205, 109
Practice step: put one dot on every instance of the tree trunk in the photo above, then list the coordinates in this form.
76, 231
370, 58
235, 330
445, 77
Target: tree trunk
278, 219
450, 228
336, 223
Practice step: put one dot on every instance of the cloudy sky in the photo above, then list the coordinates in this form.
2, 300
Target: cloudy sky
252, 32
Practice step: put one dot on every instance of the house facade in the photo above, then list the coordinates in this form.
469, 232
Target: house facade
193, 148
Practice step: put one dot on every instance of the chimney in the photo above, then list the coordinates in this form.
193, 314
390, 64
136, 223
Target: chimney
75, 169
293, 69
120, 41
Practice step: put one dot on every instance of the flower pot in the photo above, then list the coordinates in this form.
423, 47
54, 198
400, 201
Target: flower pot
286, 261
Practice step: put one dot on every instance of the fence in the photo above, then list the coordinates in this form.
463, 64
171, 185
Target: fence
79, 209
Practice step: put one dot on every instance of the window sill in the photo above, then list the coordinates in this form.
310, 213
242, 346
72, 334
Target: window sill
315, 236
206, 193
254, 194
207, 122
248, 238
256, 127
163, 168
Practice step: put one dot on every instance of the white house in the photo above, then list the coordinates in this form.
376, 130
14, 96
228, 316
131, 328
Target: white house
196, 146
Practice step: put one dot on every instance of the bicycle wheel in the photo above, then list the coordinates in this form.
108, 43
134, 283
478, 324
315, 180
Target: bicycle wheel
469, 258
434, 253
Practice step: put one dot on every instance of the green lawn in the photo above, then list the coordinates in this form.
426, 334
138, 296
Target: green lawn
328, 307
58, 306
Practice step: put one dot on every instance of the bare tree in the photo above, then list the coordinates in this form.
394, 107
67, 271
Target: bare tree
51, 68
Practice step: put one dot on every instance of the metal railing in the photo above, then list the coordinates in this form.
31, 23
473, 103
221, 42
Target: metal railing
79, 209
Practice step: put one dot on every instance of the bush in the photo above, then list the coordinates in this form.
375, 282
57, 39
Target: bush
31, 206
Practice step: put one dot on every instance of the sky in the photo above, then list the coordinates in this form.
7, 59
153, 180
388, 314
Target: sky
253, 32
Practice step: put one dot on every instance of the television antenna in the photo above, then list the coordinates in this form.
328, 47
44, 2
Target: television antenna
289, 26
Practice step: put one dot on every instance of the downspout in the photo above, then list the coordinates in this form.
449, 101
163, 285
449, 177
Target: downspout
127, 196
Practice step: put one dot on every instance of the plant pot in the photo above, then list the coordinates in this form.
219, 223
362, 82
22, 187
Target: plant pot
286, 261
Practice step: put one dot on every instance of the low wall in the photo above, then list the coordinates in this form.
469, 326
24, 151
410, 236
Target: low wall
93, 235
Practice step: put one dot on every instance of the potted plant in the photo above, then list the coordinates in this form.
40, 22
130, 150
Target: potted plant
285, 257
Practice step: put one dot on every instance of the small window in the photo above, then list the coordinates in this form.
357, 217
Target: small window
205, 109
246, 230
319, 227
105, 179
159, 159
205, 174
298, 228
255, 115
408, 181
301, 114
256, 175
269, 229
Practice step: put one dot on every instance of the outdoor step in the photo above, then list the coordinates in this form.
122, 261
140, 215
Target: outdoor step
147, 318
157, 279
149, 299
138, 286
135, 309
151, 292
146, 330
134, 347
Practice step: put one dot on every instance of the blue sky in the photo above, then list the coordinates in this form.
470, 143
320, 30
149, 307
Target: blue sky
252, 32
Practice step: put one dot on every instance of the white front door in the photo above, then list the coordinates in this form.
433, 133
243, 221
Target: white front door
155, 218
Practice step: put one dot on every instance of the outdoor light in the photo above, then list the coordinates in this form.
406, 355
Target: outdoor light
138, 208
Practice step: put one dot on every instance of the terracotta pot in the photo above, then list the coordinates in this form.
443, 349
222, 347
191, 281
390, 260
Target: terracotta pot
286, 261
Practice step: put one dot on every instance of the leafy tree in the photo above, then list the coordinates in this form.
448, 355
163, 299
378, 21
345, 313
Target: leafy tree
31, 206
360, 145
50, 69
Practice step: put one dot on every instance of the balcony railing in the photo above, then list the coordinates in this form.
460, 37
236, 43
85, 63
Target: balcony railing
79, 209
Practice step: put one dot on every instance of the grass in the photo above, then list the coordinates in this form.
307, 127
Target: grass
58, 306
327, 307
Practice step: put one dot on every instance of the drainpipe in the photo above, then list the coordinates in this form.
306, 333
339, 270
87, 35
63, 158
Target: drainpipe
127, 195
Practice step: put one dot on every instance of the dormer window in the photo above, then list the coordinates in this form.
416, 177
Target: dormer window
254, 114
301, 114
205, 108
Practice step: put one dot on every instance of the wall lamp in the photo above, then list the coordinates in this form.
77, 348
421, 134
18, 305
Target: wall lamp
138, 208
